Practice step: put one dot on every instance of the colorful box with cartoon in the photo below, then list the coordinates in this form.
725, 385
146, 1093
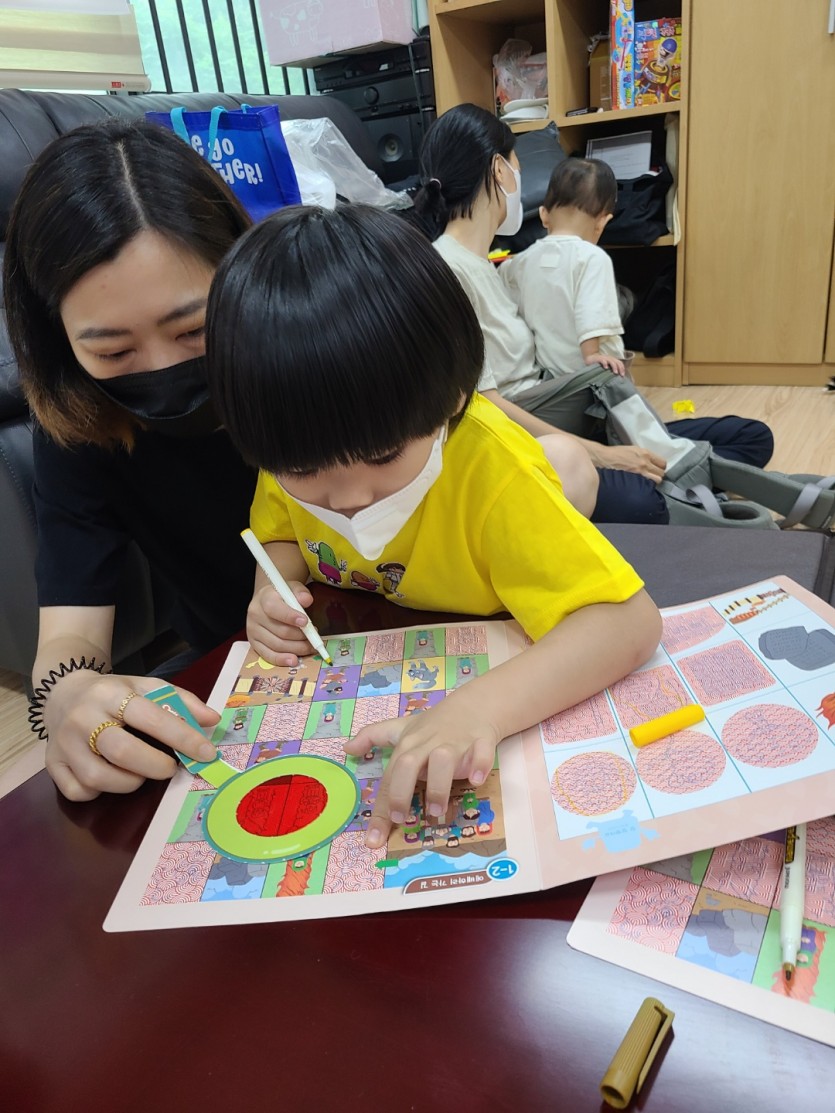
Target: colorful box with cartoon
657, 61
622, 38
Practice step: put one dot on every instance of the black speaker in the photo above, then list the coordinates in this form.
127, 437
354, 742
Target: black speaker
397, 140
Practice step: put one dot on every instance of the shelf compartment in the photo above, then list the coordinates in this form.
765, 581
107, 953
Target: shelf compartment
619, 114
492, 11
662, 241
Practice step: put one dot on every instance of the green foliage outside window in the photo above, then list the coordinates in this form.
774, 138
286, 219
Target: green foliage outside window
195, 19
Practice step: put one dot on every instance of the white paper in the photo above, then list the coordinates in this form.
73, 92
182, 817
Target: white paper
628, 155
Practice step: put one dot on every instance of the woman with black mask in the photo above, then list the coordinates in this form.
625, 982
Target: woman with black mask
111, 249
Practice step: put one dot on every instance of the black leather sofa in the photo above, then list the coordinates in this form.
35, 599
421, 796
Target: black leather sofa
28, 122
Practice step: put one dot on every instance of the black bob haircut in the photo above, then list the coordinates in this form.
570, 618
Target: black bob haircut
587, 184
334, 337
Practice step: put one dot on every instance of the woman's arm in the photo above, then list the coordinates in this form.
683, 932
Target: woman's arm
77, 703
621, 457
585, 653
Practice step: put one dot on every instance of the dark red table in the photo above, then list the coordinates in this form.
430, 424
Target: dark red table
479, 1007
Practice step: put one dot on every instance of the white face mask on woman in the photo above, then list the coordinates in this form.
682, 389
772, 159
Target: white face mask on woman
513, 218
371, 529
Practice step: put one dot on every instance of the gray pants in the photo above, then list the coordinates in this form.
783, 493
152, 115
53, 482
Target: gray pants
561, 404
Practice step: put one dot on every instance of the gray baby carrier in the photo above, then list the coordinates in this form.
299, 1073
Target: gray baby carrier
694, 473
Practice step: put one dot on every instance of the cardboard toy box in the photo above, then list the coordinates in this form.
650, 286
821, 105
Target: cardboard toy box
622, 42
600, 83
305, 32
657, 61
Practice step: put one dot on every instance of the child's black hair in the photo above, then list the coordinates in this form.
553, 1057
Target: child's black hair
587, 184
335, 337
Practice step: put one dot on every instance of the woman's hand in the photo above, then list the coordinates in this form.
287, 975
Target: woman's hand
628, 457
274, 629
83, 700
449, 742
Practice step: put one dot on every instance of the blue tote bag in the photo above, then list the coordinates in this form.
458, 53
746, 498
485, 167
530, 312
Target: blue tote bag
247, 149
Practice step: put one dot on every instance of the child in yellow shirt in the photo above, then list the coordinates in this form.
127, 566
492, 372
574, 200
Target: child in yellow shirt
343, 357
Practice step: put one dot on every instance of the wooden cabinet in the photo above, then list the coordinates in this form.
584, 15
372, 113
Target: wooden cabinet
829, 353
465, 36
755, 172
761, 193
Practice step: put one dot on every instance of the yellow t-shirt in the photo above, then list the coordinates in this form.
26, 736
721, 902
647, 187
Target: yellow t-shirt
494, 533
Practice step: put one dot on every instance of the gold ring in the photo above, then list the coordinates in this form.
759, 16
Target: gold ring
120, 714
102, 726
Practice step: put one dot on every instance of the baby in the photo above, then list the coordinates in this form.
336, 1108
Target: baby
564, 284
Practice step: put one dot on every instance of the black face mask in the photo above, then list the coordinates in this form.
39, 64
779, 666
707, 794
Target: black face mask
173, 401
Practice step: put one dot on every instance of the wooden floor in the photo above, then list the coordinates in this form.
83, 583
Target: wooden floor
803, 420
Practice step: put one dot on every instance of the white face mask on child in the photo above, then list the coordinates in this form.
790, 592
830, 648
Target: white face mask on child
371, 529
513, 218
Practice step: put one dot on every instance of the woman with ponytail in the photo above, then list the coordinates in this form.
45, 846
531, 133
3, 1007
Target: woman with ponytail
472, 192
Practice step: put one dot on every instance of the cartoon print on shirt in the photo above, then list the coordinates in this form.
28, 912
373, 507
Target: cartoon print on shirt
329, 564
366, 583
392, 572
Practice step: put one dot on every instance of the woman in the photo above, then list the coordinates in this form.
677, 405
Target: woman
473, 192
112, 245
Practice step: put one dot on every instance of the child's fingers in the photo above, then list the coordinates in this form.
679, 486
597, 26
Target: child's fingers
379, 825
482, 757
446, 765
287, 654
402, 773
441, 769
386, 733
277, 611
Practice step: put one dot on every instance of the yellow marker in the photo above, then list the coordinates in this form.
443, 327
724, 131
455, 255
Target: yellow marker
666, 725
629, 1069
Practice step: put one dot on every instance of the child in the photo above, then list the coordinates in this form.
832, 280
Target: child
564, 284
344, 356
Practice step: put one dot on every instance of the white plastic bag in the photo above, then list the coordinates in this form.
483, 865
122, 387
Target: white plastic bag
327, 167
519, 74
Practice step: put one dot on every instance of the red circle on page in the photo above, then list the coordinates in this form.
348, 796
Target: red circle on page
282, 805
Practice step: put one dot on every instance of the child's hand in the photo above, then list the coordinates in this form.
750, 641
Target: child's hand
443, 744
614, 365
274, 628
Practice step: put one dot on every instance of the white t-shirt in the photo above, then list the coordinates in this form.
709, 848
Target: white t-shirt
509, 363
565, 290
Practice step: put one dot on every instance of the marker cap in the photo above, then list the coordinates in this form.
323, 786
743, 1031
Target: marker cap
630, 1066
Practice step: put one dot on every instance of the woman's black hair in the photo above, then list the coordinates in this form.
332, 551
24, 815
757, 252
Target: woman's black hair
87, 195
335, 337
456, 164
587, 184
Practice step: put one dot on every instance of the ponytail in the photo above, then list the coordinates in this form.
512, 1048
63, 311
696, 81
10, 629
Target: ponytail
431, 213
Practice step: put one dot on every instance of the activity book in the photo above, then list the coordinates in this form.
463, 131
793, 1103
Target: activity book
709, 923
282, 813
